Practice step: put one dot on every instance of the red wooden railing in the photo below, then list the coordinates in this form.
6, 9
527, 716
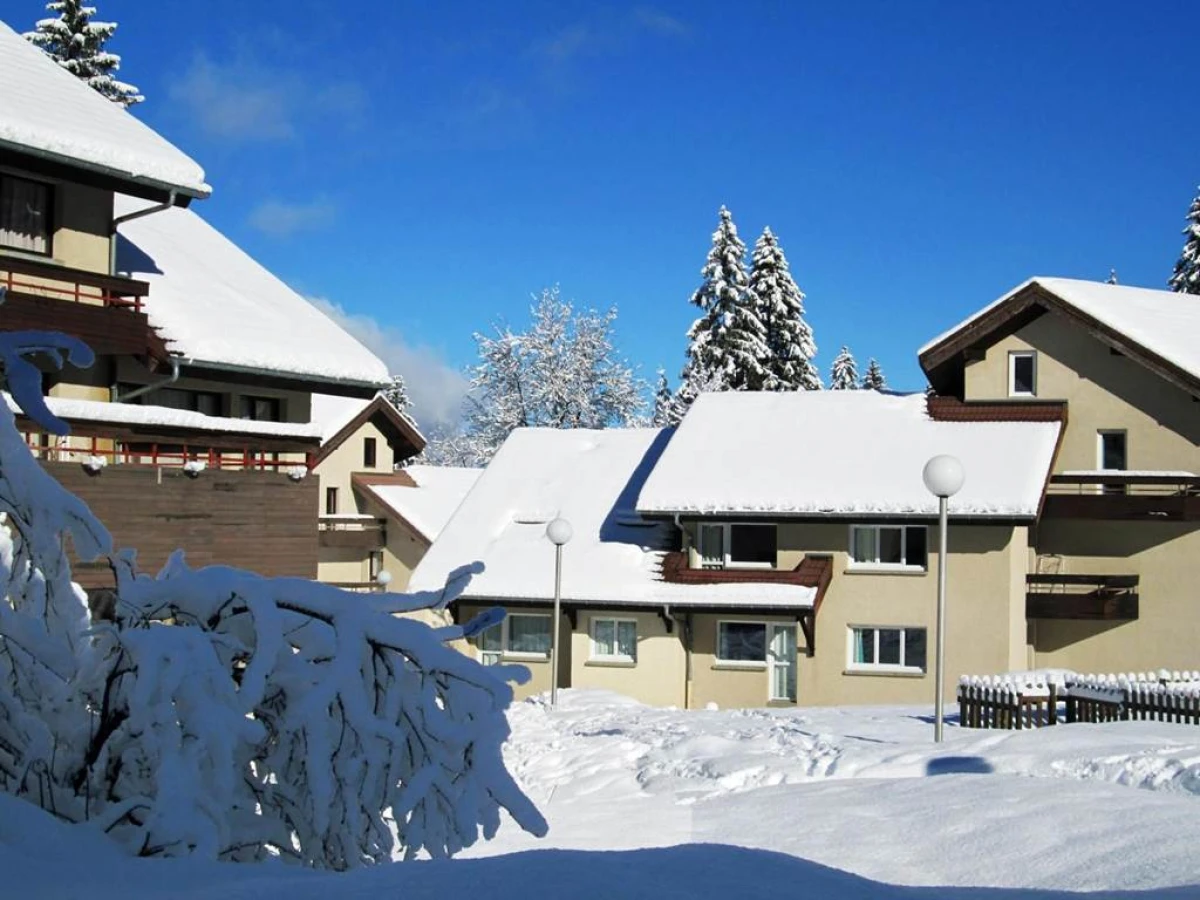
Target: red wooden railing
170, 455
71, 284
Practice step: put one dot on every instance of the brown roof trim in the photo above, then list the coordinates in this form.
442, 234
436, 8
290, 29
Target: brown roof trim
951, 409
365, 483
400, 426
1030, 298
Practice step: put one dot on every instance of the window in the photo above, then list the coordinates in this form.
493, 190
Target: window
738, 544
369, 453
1022, 373
518, 635
741, 642
331, 504
25, 215
261, 409
614, 640
888, 547
887, 649
176, 398
374, 564
1112, 456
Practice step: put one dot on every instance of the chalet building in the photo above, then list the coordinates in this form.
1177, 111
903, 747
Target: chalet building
374, 519
781, 548
193, 428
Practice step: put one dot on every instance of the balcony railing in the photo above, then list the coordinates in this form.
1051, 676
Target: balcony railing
96, 453
1150, 496
1056, 596
26, 276
352, 532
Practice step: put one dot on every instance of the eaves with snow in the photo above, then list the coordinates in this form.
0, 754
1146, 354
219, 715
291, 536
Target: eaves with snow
47, 112
219, 309
592, 479
842, 454
423, 496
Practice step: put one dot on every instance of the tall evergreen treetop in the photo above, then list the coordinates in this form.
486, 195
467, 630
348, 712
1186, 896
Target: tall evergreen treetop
843, 375
76, 43
396, 394
664, 403
874, 380
789, 339
1186, 278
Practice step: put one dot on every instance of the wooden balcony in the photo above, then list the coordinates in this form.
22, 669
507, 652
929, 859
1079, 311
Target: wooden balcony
1106, 597
1150, 497
812, 571
105, 311
352, 532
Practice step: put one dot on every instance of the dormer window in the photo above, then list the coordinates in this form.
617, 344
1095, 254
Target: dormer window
25, 215
1022, 373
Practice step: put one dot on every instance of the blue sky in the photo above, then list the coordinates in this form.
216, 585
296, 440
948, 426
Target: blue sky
428, 166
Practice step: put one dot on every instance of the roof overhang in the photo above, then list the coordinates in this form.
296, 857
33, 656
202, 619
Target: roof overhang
64, 168
286, 381
944, 360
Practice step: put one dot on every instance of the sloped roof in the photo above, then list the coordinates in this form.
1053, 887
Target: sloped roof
426, 498
1161, 328
221, 309
591, 478
395, 425
842, 454
48, 112
331, 413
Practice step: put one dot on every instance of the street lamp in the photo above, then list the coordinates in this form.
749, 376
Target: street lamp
559, 532
383, 579
943, 476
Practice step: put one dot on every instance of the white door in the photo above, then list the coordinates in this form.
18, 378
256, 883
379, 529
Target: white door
781, 660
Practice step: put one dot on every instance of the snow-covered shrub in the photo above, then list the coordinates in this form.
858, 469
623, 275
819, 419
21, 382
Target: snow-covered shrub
219, 713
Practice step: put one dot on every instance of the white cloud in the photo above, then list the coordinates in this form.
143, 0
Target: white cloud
437, 389
660, 22
279, 218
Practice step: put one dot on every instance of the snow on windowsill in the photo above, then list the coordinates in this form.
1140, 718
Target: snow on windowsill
611, 663
885, 671
883, 569
735, 666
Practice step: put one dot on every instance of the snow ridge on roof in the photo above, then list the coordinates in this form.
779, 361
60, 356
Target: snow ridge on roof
591, 478
220, 308
46, 110
438, 493
332, 413
842, 453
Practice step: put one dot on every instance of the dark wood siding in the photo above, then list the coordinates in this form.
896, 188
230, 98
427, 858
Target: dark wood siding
262, 521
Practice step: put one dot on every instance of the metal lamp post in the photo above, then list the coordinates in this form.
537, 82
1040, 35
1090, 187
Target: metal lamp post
943, 476
559, 532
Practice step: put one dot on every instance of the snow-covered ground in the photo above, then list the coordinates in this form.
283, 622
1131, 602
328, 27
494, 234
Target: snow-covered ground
753, 803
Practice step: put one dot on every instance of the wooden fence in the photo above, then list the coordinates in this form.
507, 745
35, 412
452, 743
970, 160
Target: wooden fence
1007, 703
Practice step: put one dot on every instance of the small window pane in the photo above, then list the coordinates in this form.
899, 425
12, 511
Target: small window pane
864, 545
1022, 373
915, 549
331, 501
369, 453
604, 636
889, 546
627, 639
742, 642
24, 215
864, 645
712, 546
208, 404
889, 647
1112, 451
529, 634
914, 648
489, 639
752, 544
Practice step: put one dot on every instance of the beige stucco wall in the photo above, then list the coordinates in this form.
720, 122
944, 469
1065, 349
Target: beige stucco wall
657, 677
82, 226
539, 669
1103, 391
335, 469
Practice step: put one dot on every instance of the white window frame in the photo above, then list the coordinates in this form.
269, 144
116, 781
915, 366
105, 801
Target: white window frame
727, 561
743, 663
505, 642
1013, 356
852, 666
854, 565
595, 655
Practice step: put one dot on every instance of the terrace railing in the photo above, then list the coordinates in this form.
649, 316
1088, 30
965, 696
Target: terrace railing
1150, 496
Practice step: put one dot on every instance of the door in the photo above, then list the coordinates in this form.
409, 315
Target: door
1112, 457
781, 662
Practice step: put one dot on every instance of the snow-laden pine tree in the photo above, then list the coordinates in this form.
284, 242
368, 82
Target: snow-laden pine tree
789, 339
664, 402
873, 380
713, 357
217, 713
396, 394
1186, 278
1112, 277
76, 43
843, 375
563, 372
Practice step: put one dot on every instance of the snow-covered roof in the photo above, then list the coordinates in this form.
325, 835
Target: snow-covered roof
221, 309
842, 453
1163, 322
162, 416
48, 112
428, 504
591, 478
331, 413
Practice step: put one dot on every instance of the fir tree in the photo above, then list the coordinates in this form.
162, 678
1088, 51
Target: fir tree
874, 380
843, 376
396, 394
664, 403
789, 339
725, 344
76, 43
1112, 277
1186, 278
